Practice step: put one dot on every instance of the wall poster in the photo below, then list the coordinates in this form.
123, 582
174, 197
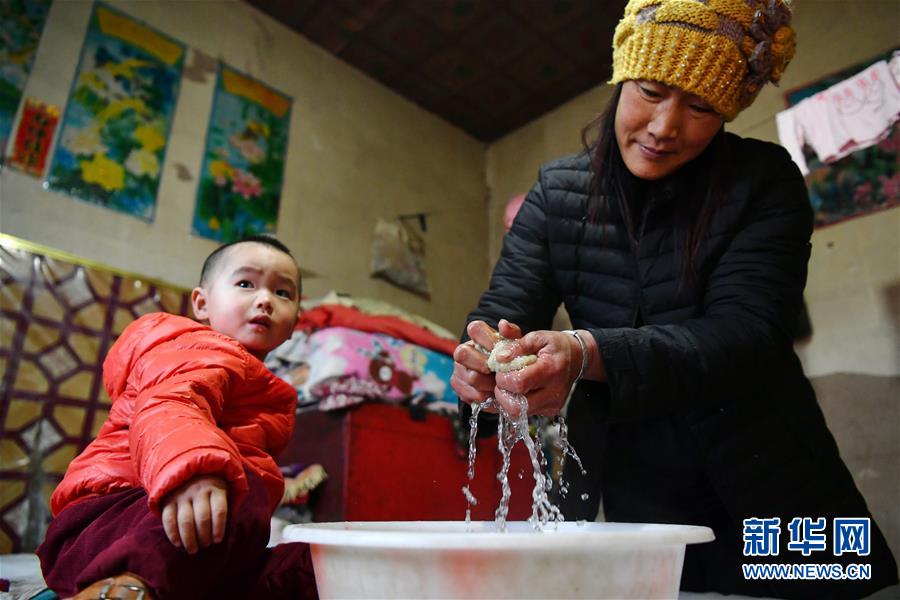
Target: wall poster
113, 137
243, 165
31, 143
21, 23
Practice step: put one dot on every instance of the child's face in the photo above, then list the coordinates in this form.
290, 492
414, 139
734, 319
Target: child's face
252, 296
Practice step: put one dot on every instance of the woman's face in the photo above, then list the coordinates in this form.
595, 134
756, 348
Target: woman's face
660, 128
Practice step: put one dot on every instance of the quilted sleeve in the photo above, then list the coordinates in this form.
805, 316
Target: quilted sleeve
180, 390
261, 427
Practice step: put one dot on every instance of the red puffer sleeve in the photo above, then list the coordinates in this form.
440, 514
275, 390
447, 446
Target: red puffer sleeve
180, 389
261, 424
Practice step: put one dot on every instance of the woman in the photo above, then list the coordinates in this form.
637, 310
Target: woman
680, 253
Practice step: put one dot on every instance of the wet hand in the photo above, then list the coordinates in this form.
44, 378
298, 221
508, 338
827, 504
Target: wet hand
472, 380
546, 382
194, 514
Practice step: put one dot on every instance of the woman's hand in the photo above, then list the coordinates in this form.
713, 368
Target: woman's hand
195, 513
472, 380
546, 382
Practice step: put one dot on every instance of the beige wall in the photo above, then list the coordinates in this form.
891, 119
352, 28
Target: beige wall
853, 293
513, 161
356, 151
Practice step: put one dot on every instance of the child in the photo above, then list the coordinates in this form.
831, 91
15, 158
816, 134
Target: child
174, 497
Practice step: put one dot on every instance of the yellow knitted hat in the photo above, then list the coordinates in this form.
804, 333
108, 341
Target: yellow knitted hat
724, 51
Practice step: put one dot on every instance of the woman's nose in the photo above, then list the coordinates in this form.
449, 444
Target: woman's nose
665, 122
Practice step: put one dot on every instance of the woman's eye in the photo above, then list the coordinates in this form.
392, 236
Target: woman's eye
648, 92
243, 283
703, 109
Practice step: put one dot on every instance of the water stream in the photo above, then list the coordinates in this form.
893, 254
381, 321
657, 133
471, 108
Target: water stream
510, 430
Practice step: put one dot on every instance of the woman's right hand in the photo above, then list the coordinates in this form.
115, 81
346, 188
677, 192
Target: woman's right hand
472, 380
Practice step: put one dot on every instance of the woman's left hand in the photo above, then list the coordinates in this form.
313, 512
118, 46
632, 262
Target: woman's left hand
546, 382
472, 379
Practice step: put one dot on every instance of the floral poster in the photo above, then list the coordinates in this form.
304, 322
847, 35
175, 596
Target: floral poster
21, 23
243, 166
113, 136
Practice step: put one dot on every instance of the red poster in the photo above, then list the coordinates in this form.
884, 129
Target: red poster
33, 138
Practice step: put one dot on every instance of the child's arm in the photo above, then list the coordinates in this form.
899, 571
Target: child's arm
179, 430
195, 513
174, 436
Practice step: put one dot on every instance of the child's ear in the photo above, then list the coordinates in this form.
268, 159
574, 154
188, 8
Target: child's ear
198, 302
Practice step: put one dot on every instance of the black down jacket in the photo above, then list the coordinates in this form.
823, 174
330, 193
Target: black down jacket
707, 417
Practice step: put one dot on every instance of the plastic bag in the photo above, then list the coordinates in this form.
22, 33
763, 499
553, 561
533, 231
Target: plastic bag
398, 255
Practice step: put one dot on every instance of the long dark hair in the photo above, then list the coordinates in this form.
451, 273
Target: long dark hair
701, 183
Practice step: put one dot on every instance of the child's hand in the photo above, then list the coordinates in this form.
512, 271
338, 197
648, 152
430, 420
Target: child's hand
195, 513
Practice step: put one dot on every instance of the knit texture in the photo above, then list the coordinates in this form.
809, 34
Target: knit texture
724, 51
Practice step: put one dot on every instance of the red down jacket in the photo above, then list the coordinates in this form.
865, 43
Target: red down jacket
187, 401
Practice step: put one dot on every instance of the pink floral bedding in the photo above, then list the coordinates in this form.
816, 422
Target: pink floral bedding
337, 367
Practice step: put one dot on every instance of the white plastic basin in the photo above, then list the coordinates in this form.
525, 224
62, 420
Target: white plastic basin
442, 559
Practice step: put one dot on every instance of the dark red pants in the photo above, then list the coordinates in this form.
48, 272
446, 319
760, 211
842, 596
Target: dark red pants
107, 535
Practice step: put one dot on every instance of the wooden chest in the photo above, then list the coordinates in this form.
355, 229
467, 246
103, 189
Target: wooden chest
383, 465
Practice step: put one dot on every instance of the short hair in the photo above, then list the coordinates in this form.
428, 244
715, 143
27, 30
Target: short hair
209, 265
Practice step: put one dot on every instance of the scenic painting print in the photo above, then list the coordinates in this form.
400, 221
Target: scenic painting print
21, 23
243, 166
116, 124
